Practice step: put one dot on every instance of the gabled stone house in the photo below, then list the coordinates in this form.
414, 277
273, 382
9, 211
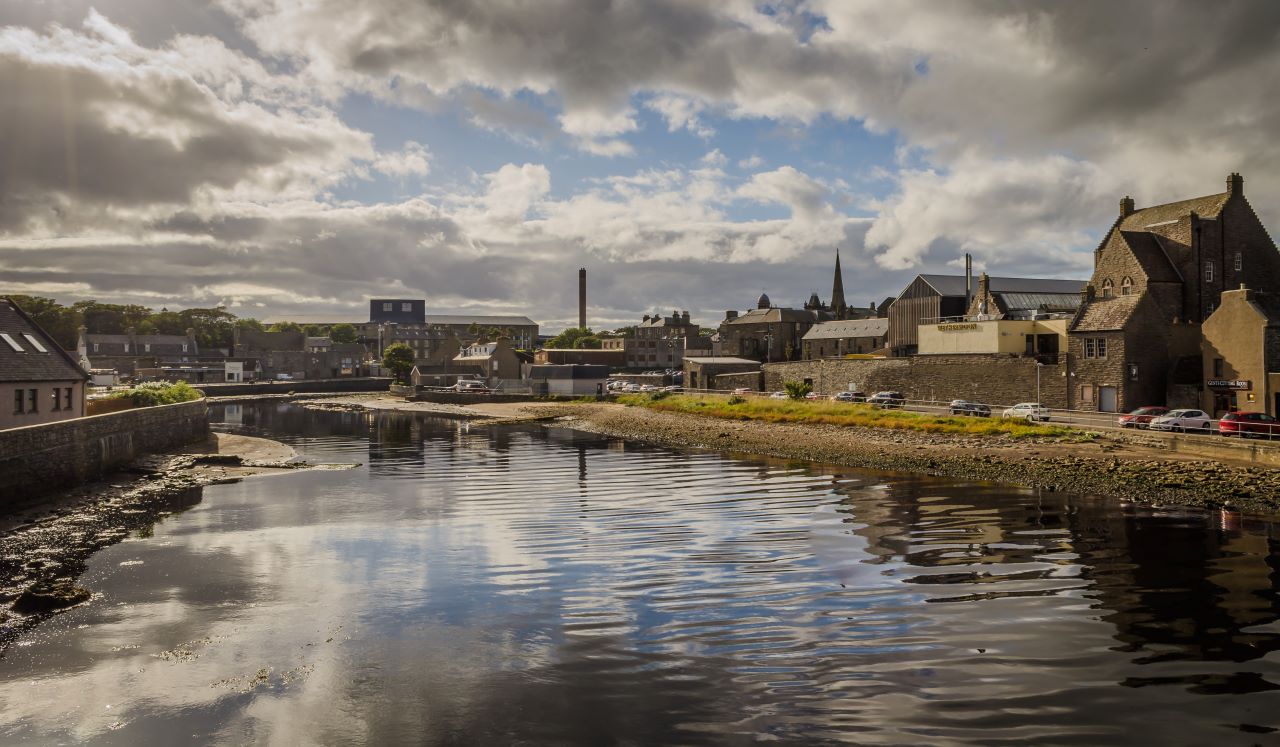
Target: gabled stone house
1159, 273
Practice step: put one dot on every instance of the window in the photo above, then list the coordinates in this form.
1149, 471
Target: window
1107, 287
95, 347
1126, 287
1086, 394
12, 342
386, 307
146, 347
1217, 368
1239, 261
17, 401
66, 398
126, 347
57, 399
35, 343
1090, 351
33, 400
1208, 271
406, 307
1095, 347
1102, 347
184, 347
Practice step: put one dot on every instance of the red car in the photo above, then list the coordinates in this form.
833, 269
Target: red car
1142, 417
1249, 425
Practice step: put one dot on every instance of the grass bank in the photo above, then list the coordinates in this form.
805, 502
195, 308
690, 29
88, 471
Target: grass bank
844, 414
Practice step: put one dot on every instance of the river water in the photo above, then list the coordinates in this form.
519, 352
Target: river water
525, 585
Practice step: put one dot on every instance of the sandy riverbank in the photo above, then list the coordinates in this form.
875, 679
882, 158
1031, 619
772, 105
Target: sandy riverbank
45, 546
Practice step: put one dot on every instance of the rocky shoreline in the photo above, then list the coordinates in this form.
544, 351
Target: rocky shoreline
46, 545
1124, 466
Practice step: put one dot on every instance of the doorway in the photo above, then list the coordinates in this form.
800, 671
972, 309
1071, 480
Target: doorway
1107, 399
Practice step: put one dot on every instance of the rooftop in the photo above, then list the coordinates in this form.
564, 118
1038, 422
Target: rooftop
850, 328
954, 285
496, 321
28, 353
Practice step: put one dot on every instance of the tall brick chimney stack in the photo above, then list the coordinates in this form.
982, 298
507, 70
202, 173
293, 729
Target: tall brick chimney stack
582, 297
1126, 206
1235, 184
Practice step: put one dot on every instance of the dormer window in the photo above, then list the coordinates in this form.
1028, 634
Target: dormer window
1126, 287
1108, 288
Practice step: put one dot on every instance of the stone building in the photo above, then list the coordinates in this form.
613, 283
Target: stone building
1159, 274
660, 342
39, 381
767, 332
131, 351
613, 358
498, 361
704, 373
270, 355
567, 380
849, 337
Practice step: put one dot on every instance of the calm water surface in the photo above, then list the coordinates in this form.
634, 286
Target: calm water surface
528, 586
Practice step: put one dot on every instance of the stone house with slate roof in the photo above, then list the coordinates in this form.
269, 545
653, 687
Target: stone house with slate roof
39, 381
1159, 273
129, 352
835, 339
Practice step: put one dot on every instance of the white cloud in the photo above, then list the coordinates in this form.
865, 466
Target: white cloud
411, 160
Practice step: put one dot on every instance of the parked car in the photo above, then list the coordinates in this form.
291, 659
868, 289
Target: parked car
672, 388
847, 397
284, 377
1182, 420
813, 395
471, 385
648, 388
631, 388
965, 407
1033, 412
1141, 417
887, 400
742, 390
778, 395
1249, 425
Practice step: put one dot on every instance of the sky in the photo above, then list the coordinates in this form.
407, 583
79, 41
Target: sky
290, 159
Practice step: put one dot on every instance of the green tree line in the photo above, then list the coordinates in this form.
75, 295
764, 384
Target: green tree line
213, 327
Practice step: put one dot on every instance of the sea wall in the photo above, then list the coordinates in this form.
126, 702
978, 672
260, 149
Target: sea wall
992, 378
40, 458
298, 386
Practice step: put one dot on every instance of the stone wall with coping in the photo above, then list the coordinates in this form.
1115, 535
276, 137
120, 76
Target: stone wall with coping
361, 384
40, 458
991, 378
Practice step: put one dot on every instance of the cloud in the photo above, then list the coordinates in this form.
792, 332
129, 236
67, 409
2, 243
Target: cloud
411, 160
93, 123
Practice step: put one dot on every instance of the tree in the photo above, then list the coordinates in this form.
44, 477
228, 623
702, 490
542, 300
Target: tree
575, 337
285, 327
342, 333
59, 321
314, 330
399, 358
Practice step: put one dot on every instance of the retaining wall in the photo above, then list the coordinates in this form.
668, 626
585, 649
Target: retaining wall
41, 458
992, 378
299, 386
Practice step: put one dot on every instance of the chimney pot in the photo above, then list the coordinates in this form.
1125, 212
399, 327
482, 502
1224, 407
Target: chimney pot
1126, 206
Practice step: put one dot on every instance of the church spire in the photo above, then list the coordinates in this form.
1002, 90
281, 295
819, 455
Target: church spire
838, 306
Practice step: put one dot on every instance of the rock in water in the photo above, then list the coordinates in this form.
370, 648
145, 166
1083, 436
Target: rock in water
47, 597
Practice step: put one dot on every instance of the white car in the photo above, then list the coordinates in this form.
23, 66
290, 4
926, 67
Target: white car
778, 395
1182, 420
1033, 412
631, 388
648, 388
470, 385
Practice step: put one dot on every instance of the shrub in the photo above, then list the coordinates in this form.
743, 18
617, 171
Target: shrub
736, 399
155, 393
797, 389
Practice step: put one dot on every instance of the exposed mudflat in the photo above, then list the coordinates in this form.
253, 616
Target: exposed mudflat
1124, 466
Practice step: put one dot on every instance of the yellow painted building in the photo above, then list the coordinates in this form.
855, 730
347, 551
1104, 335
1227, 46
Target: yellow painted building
1015, 336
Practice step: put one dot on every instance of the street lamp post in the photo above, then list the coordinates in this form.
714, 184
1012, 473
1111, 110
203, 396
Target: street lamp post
1039, 366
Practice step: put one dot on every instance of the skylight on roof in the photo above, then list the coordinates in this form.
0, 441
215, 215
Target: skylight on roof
12, 342
34, 342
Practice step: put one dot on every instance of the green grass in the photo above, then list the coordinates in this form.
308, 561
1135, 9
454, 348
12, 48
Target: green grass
844, 414
159, 393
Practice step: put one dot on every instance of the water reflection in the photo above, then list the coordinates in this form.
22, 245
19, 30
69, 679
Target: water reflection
498, 585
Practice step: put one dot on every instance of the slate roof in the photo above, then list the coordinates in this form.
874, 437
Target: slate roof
484, 321
114, 344
1208, 206
1106, 314
846, 329
776, 314
728, 360
953, 285
1151, 256
1014, 302
29, 364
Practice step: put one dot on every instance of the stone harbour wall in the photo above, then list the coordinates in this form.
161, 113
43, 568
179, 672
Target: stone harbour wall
41, 458
298, 386
991, 378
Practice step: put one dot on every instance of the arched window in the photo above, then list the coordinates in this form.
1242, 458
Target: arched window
1126, 286
1107, 288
